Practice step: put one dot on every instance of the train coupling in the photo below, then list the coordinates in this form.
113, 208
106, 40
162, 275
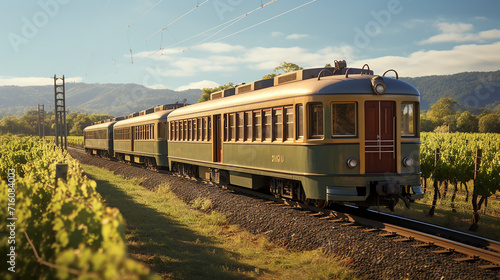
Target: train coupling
394, 188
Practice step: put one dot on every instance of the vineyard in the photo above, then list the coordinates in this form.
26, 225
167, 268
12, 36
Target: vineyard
469, 160
57, 230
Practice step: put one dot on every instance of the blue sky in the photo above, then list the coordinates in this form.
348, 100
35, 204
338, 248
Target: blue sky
194, 44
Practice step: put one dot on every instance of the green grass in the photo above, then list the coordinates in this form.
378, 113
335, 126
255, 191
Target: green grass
178, 241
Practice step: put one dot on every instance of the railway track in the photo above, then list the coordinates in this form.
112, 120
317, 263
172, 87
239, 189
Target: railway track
442, 240
439, 239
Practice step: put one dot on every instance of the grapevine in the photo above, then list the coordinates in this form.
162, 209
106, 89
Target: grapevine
67, 224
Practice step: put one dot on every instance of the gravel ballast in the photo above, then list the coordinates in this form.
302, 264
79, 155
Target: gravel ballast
370, 255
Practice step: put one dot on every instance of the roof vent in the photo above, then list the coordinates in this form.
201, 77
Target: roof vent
255, 86
303, 74
222, 93
244, 88
216, 95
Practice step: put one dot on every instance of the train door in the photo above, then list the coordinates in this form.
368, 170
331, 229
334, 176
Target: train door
217, 139
380, 134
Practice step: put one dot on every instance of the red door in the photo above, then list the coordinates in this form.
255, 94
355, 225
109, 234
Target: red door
217, 139
380, 153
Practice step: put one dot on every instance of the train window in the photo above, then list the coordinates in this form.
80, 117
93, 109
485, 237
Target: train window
204, 132
266, 133
232, 127
176, 131
344, 119
257, 123
185, 134
248, 126
209, 134
408, 127
300, 121
181, 130
193, 130
241, 126
288, 122
278, 124
316, 120
200, 128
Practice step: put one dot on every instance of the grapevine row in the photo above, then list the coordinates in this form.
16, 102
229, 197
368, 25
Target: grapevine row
69, 226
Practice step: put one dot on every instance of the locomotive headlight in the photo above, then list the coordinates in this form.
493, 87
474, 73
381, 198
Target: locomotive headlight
378, 86
352, 162
408, 162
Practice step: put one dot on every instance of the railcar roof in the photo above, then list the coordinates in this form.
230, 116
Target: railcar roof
99, 126
160, 115
338, 84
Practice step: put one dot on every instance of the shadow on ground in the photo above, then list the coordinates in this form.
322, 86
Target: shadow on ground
169, 248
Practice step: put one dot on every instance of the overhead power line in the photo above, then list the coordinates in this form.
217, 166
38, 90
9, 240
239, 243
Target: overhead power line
229, 23
166, 26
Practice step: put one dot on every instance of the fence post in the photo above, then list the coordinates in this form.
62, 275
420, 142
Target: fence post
61, 171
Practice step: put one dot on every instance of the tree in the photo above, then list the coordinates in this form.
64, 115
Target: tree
205, 96
467, 122
285, 67
489, 123
444, 107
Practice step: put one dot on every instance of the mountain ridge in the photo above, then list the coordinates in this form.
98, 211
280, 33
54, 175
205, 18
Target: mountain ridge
474, 90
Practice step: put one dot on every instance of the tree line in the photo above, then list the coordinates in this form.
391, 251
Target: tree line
448, 116
28, 124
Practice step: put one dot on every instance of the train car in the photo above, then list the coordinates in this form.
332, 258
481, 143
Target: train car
317, 135
142, 138
98, 138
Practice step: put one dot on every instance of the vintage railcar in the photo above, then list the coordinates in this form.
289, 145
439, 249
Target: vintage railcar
98, 138
318, 135
142, 138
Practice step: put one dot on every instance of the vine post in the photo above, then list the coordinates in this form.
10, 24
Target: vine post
435, 183
475, 205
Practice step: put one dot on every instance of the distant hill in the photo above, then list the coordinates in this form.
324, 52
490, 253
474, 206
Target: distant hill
474, 90
114, 99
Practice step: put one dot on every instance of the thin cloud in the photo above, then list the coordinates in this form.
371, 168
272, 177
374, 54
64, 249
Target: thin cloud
33, 81
296, 36
462, 58
277, 34
459, 33
198, 85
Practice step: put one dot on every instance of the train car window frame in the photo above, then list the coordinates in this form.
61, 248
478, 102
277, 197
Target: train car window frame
412, 119
185, 133
316, 120
299, 127
257, 125
340, 126
209, 134
288, 123
248, 126
277, 127
205, 129
240, 126
267, 125
199, 125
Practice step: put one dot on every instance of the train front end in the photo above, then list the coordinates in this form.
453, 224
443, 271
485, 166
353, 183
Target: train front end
368, 153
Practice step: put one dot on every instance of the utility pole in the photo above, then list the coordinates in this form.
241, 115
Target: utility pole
41, 121
60, 111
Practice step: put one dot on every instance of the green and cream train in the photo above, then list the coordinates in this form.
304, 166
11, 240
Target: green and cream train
321, 135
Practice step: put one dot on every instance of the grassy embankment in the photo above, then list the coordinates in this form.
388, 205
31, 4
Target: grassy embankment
179, 242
